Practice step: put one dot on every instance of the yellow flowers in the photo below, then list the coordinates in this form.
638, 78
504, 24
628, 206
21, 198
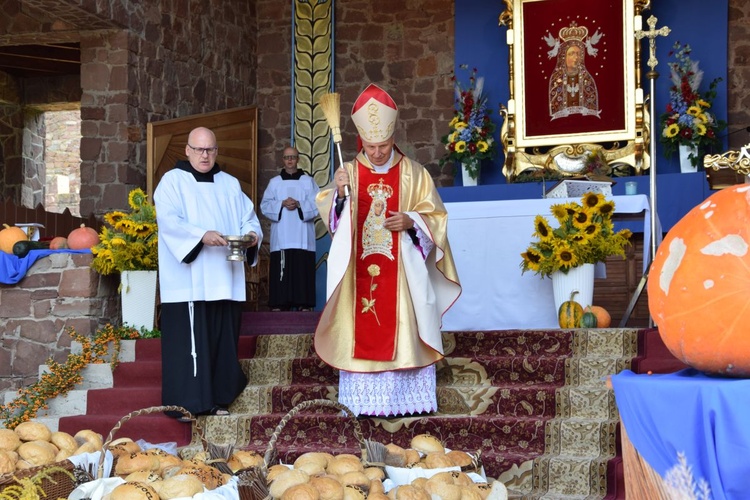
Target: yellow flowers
585, 234
131, 243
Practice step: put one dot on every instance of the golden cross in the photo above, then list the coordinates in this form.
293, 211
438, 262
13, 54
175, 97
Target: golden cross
651, 35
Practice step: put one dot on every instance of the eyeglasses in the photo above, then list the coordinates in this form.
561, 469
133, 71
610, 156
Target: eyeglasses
290, 157
208, 151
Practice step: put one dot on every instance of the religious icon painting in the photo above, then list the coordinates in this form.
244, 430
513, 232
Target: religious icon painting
575, 71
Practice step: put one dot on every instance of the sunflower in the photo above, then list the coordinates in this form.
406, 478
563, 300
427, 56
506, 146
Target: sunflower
566, 256
581, 219
543, 230
592, 200
559, 211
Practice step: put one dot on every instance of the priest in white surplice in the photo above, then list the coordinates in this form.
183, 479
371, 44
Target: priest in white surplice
202, 292
289, 202
391, 274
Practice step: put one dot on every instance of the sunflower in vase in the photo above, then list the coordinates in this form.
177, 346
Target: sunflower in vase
471, 138
585, 235
688, 120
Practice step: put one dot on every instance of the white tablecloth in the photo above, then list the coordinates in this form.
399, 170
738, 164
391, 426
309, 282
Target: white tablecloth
487, 239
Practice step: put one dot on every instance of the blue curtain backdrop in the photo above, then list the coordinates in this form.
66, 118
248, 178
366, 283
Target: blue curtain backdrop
481, 43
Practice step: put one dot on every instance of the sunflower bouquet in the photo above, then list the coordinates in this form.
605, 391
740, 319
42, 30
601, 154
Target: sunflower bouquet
585, 235
130, 243
470, 139
689, 119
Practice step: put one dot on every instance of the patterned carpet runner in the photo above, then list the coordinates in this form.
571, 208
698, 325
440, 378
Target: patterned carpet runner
534, 404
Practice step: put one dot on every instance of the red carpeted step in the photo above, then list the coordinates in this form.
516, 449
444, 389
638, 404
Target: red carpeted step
140, 374
268, 322
654, 356
153, 428
150, 349
122, 400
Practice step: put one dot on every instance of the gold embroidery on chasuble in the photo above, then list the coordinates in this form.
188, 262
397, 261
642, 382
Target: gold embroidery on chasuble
377, 269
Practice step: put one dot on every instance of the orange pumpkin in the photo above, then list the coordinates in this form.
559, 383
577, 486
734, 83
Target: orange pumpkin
58, 242
603, 318
699, 285
82, 237
10, 236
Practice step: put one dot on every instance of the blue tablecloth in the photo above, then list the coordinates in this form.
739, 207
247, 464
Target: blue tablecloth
705, 418
14, 268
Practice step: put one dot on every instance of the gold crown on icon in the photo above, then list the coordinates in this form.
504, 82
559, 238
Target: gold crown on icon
380, 191
574, 32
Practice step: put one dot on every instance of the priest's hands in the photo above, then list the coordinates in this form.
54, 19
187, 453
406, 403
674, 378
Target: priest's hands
342, 182
214, 239
398, 221
290, 204
253, 238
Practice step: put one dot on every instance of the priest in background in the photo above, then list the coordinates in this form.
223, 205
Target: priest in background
289, 202
391, 274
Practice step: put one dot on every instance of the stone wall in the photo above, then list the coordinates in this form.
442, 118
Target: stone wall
409, 55
140, 62
738, 86
58, 292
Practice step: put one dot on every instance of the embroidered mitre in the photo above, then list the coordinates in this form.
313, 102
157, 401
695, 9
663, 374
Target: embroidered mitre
374, 114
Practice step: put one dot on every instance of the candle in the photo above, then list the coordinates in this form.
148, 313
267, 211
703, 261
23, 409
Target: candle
638, 23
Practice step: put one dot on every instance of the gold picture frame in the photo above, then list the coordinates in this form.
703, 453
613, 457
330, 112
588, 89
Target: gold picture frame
574, 86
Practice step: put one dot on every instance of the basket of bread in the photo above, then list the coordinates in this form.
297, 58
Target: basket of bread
34, 459
427, 469
316, 475
151, 473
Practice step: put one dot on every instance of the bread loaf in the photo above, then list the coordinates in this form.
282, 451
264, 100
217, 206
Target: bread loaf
33, 431
134, 491
9, 440
426, 443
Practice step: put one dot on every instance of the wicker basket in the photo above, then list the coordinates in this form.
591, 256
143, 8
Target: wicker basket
253, 485
55, 483
144, 411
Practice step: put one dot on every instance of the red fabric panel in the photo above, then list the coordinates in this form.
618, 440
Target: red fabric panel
375, 330
544, 18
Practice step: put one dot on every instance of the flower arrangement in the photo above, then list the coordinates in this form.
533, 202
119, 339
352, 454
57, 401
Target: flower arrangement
62, 377
585, 235
688, 120
131, 241
470, 139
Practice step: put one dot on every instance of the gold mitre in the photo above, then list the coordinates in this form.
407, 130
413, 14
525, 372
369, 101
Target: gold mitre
574, 32
374, 114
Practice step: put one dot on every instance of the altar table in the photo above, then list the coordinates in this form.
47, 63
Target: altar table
487, 239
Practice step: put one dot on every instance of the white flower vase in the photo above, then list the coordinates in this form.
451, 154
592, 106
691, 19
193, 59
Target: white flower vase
686, 166
580, 279
138, 295
472, 164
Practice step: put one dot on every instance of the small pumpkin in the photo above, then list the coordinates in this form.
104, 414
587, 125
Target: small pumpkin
9, 236
58, 243
82, 237
570, 313
603, 318
588, 320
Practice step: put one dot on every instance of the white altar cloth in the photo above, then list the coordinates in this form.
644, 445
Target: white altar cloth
487, 239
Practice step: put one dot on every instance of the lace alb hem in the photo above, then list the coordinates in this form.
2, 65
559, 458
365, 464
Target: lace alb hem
387, 394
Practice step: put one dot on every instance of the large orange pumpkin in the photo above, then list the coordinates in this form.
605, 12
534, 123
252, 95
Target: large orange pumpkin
9, 236
699, 285
82, 237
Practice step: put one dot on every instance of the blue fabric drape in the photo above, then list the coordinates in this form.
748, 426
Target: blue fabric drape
14, 268
704, 417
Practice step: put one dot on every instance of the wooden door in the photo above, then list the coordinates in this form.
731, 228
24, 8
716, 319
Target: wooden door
236, 136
